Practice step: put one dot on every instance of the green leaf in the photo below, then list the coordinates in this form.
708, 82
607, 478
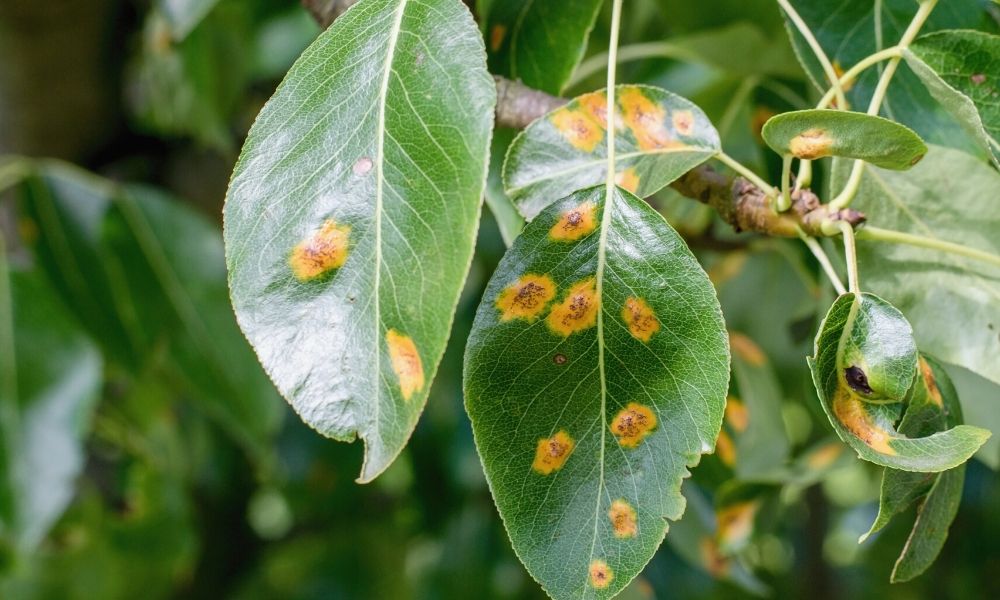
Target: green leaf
508, 219
352, 214
812, 134
184, 15
950, 300
661, 137
933, 407
539, 42
979, 397
50, 380
864, 364
847, 30
595, 375
960, 70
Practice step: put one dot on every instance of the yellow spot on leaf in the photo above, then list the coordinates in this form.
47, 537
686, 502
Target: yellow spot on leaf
683, 121
320, 253
746, 349
577, 311
851, 413
811, 144
623, 519
600, 574
641, 320
737, 414
405, 362
526, 298
715, 563
575, 223
632, 424
551, 453
579, 129
824, 457
628, 179
497, 35
646, 120
725, 448
596, 105
736, 523
931, 383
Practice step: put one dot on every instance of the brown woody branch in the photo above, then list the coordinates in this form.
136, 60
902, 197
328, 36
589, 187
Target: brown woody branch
739, 202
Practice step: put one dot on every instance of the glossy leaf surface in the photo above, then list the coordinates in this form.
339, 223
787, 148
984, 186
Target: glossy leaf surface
864, 364
352, 213
950, 300
539, 42
595, 376
661, 136
812, 134
960, 70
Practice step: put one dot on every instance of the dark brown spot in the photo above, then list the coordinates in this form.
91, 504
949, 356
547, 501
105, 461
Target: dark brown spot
559, 359
857, 379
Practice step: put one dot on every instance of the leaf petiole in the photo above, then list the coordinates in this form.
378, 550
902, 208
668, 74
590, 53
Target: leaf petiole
785, 199
824, 261
898, 237
821, 56
737, 166
851, 256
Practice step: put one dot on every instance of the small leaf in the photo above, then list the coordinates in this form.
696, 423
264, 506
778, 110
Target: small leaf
595, 375
352, 214
660, 137
960, 69
539, 42
865, 362
812, 134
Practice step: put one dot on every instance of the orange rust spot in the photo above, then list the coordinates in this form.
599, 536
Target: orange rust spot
552, 452
761, 115
405, 362
811, 144
632, 424
715, 563
596, 105
725, 448
736, 522
321, 252
851, 413
623, 519
577, 311
824, 457
601, 575
646, 120
578, 128
737, 414
628, 179
931, 383
497, 35
838, 70
683, 121
641, 320
747, 349
575, 223
526, 298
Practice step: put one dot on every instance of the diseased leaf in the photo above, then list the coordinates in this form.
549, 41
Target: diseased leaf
352, 213
50, 380
950, 300
661, 137
539, 42
595, 375
960, 71
812, 134
741, 508
864, 364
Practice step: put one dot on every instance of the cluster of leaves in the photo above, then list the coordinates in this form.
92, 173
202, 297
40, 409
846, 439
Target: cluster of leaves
603, 361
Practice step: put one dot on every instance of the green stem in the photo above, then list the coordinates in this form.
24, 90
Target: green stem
851, 74
898, 237
850, 190
851, 256
785, 199
595, 64
824, 261
737, 166
824, 61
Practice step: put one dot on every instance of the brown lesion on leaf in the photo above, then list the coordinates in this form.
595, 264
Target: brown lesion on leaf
575, 223
406, 363
551, 453
735, 522
623, 519
323, 251
825, 456
601, 574
851, 412
578, 128
497, 35
746, 349
646, 120
811, 144
725, 449
683, 121
737, 415
628, 179
577, 311
930, 382
714, 562
526, 298
632, 424
640, 318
